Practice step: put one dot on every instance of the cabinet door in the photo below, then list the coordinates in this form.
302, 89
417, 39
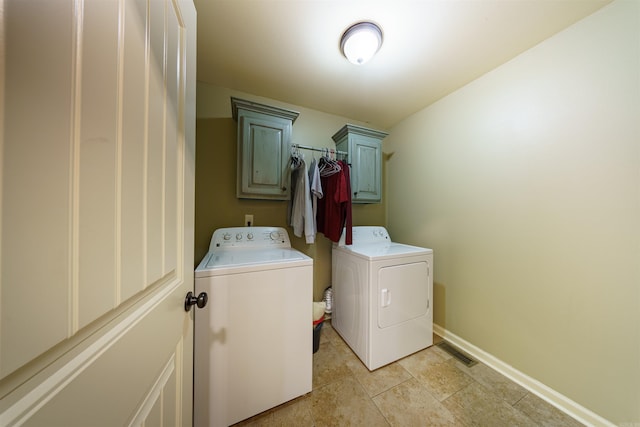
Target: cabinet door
366, 171
263, 153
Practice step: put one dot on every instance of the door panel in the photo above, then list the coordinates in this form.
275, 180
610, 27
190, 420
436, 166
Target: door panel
263, 153
101, 391
367, 176
172, 158
403, 293
133, 152
95, 151
155, 151
27, 192
97, 212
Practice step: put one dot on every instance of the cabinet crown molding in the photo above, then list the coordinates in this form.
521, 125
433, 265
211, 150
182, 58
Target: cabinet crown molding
358, 130
237, 103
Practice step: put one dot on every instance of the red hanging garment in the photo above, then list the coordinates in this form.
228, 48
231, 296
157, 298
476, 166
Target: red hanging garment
334, 209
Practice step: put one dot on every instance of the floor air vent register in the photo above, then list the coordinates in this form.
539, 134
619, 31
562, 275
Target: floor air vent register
461, 357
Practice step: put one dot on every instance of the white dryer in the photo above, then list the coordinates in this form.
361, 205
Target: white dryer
382, 296
254, 339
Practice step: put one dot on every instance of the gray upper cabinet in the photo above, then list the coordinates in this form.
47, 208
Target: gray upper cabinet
364, 147
264, 140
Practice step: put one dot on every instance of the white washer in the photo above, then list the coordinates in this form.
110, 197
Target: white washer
382, 293
254, 339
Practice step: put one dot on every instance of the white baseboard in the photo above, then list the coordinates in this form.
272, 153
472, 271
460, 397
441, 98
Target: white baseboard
544, 392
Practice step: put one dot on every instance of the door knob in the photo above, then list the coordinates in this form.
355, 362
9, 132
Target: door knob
201, 300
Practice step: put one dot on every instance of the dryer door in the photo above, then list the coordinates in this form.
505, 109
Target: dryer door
403, 293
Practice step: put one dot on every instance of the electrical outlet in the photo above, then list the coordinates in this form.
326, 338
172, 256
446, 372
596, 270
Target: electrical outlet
248, 220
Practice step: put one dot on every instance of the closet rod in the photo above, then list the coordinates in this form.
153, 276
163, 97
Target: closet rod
322, 150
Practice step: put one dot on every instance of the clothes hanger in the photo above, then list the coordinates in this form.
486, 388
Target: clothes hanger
296, 156
330, 166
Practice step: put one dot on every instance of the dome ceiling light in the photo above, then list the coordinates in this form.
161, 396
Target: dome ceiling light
360, 42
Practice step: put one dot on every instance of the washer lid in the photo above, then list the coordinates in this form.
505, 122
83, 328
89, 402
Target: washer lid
374, 251
237, 261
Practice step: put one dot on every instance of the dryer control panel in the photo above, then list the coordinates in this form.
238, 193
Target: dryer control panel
367, 234
249, 238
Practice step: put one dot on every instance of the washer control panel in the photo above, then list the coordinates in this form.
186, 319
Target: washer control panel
249, 238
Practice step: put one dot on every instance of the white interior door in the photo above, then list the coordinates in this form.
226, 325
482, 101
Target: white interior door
96, 198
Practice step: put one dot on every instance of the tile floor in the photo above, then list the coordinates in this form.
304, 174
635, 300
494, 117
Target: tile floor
428, 388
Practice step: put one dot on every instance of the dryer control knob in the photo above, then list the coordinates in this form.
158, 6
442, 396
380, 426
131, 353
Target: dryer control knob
250, 236
275, 235
226, 236
239, 236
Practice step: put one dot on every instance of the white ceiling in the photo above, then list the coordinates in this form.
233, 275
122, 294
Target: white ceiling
288, 50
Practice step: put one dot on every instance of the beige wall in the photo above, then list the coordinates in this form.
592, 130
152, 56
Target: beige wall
216, 202
526, 183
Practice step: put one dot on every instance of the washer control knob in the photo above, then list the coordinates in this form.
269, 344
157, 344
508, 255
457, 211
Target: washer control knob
227, 236
239, 236
250, 236
275, 235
